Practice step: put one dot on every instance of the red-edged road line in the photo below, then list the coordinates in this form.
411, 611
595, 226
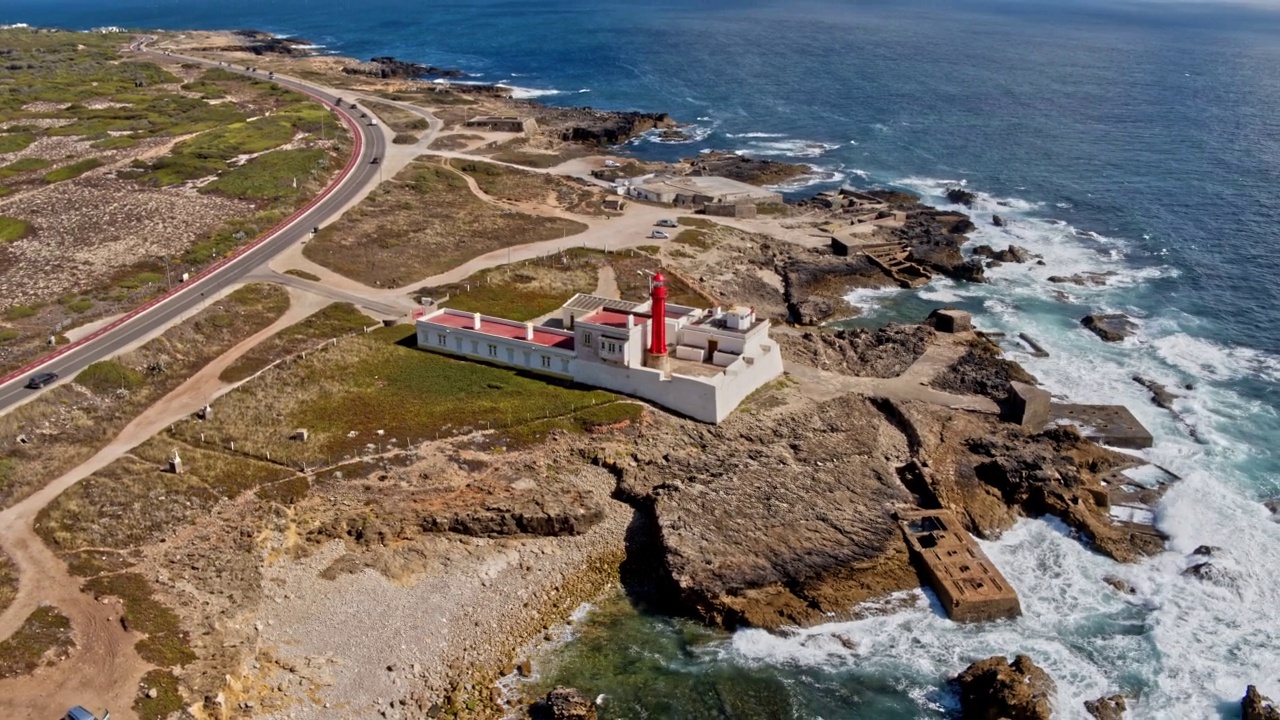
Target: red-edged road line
356, 149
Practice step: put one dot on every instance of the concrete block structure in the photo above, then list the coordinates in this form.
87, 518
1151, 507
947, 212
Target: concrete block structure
1028, 406
698, 363
968, 584
952, 321
699, 191
1111, 425
502, 123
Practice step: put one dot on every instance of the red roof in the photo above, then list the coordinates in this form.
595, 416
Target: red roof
613, 318
503, 330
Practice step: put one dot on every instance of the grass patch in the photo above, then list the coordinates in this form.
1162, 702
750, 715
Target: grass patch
68, 423
8, 334
166, 644
404, 139
118, 142
373, 382
506, 183
592, 419
80, 306
399, 119
21, 312
43, 639
302, 274
8, 573
231, 235
168, 698
273, 176
424, 221
521, 291
13, 142
696, 222
694, 237
30, 164
74, 170
13, 229
107, 376
332, 321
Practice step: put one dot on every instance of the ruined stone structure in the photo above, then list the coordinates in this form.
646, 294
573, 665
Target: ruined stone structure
502, 123
968, 584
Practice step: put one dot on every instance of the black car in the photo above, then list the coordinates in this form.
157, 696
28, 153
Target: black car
39, 380
374, 161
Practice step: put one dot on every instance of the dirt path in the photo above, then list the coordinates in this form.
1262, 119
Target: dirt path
103, 670
607, 283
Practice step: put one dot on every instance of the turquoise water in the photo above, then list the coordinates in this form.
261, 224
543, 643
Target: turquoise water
1138, 138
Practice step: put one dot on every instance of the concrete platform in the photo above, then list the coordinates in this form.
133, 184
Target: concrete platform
968, 584
1106, 424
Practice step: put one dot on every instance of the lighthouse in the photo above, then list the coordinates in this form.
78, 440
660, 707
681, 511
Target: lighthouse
657, 356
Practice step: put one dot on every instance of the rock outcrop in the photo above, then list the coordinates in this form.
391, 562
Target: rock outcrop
1111, 328
1012, 254
1107, 708
996, 689
601, 128
1160, 394
1095, 279
814, 283
960, 196
982, 371
997, 221
564, 703
776, 519
745, 169
1256, 706
884, 353
389, 67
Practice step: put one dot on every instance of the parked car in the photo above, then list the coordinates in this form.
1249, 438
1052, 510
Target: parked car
373, 122
666, 222
610, 164
39, 380
375, 160
659, 235
79, 713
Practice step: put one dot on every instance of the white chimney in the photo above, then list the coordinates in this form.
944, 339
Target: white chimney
631, 321
475, 321
528, 331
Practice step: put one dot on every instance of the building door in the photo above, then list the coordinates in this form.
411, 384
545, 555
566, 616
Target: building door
712, 347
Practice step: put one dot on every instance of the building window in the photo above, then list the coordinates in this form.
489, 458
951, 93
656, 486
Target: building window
587, 339
493, 350
441, 339
546, 361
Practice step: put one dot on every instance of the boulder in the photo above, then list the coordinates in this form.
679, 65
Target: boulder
1018, 254
1095, 279
1160, 395
1256, 706
1119, 585
996, 689
997, 221
971, 271
1106, 708
1111, 328
564, 703
960, 196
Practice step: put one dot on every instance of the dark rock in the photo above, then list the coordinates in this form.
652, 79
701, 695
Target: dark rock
1018, 254
1256, 706
1119, 585
960, 196
564, 703
982, 371
1013, 254
1111, 328
745, 169
1090, 278
613, 128
1160, 395
1106, 708
996, 689
1213, 574
1206, 551
1273, 506
971, 271
997, 221
985, 251
389, 67
884, 353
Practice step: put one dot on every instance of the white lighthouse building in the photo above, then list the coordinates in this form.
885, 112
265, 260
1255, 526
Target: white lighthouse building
699, 363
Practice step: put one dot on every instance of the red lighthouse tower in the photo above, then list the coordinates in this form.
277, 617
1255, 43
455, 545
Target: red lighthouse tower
657, 357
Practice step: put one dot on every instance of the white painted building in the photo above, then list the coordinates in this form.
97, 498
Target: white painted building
720, 356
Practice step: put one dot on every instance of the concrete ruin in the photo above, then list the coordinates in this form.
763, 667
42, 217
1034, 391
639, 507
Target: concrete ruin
1027, 406
696, 191
969, 586
1110, 425
949, 320
502, 123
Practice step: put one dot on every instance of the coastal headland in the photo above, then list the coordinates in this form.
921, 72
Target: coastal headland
277, 509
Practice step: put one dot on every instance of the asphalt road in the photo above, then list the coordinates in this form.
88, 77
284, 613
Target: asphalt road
189, 296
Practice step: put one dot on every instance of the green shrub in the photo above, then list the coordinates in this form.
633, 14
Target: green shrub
108, 375
20, 312
24, 165
80, 306
13, 229
271, 176
8, 334
13, 142
74, 170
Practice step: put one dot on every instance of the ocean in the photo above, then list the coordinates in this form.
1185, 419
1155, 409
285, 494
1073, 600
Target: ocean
1136, 138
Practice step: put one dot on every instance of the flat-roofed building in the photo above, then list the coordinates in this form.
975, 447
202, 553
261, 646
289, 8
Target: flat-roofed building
699, 190
699, 363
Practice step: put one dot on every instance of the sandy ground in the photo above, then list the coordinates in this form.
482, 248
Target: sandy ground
104, 669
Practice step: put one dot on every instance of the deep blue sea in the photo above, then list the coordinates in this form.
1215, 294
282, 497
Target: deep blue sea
1136, 138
